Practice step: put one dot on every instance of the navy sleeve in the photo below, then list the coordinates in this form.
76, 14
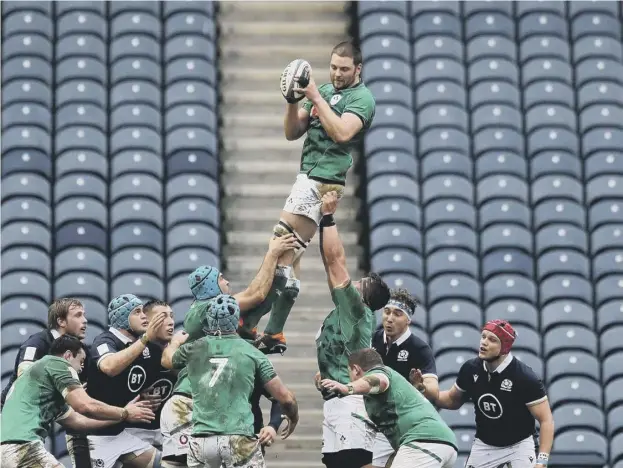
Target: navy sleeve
426, 360
275, 415
462, 380
377, 342
533, 391
103, 345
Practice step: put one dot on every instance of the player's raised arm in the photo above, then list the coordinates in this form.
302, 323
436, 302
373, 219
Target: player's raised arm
169, 358
258, 289
331, 247
112, 362
295, 121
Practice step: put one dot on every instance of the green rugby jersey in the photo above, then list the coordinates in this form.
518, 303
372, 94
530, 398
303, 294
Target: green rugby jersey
404, 415
222, 372
347, 328
322, 158
37, 399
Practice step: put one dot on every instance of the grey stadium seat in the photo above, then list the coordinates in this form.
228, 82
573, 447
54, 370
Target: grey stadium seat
437, 23
397, 261
456, 312
567, 312
26, 259
395, 235
451, 261
437, 47
81, 259
450, 235
144, 285
442, 162
24, 308
515, 311
385, 45
394, 210
579, 416
574, 389
569, 338
505, 236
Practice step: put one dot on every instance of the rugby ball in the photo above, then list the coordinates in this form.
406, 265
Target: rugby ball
296, 74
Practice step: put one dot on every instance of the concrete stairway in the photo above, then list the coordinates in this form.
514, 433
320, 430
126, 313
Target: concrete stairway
257, 41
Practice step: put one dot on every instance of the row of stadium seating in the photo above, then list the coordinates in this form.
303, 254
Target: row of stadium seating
109, 158
494, 176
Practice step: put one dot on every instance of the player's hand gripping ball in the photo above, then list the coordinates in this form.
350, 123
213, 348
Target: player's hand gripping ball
296, 75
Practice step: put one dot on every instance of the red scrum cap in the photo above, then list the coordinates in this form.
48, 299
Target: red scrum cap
504, 331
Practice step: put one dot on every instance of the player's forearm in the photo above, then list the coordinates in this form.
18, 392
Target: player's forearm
292, 126
259, 287
115, 363
166, 360
331, 246
331, 122
81, 423
290, 407
446, 401
370, 384
546, 436
95, 409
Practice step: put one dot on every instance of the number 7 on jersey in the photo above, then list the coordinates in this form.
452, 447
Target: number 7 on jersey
220, 363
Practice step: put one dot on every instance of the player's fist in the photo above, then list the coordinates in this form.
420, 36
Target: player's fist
180, 338
329, 203
280, 245
267, 436
415, 377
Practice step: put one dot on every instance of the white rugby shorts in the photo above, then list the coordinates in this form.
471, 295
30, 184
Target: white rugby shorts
519, 455
151, 436
107, 450
27, 454
425, 455
225, 451
344, 426
176, 425
305, 198
382, 450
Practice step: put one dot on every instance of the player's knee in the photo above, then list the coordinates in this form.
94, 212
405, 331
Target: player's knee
283, 228
353, 458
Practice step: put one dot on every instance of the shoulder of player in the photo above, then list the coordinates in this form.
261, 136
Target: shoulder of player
522, 371
377, 337
363, 91
41, 340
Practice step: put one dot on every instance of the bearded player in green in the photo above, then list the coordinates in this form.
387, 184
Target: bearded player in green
335, 117
223, 369
410, 422
50, 390
346, 438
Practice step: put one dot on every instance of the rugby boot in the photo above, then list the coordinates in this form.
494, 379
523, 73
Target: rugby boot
271, 344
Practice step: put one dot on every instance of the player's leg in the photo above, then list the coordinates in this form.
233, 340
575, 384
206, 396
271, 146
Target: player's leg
78, 449
424, 455
176, 426
346, 440
123, 447
250, 319
28, 454
486, 456
382, 451
239, 451
149, 459
523, 454
205, 452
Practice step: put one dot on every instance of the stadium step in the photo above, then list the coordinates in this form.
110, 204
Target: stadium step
257, 40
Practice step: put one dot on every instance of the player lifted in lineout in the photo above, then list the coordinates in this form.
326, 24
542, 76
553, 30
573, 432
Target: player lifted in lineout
335, 117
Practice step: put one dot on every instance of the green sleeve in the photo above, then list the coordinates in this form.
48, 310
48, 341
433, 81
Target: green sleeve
180, 357
265, 370
362, 104
63, 376
193, 318
348, 302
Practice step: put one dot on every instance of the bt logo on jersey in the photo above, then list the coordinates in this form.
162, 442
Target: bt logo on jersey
490, 406
136, 379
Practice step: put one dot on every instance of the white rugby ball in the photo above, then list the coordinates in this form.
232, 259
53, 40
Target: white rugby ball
297, 70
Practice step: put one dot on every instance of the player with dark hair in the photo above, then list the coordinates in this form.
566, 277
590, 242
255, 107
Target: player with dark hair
124, 360
65, 315
508, 397
401, 413
223, 370
160, 386
405, 353
347, 440
335, 117
49, 390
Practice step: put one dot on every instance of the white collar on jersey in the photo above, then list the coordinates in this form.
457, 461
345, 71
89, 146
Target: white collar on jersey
503, 365
124, 339
401, 339
55, 334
